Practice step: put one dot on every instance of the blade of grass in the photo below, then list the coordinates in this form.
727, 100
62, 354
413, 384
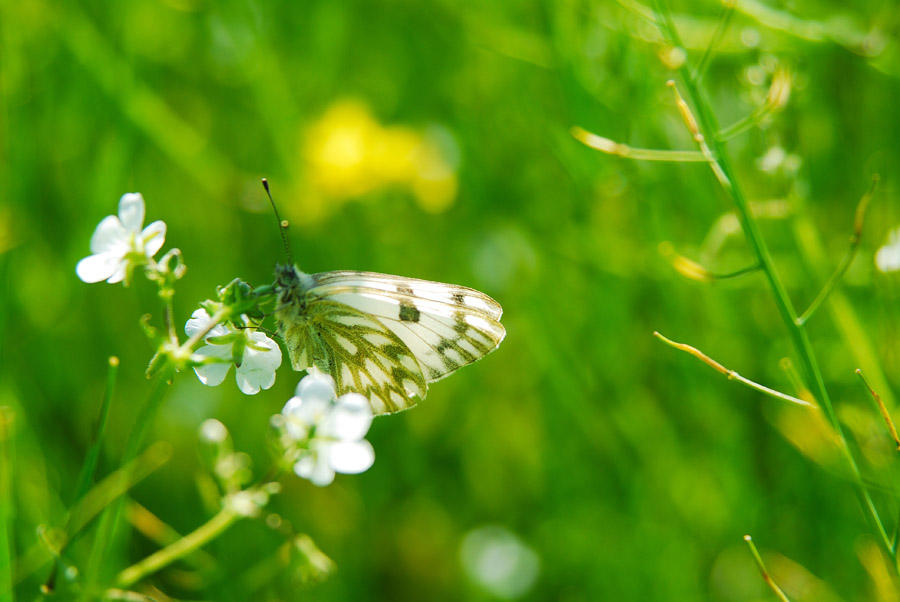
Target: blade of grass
718, 34
90, 462
765, 573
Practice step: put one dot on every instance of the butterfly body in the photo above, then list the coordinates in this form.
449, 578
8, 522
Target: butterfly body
383, 336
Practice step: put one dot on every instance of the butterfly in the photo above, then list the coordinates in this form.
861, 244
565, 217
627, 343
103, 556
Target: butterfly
383, 336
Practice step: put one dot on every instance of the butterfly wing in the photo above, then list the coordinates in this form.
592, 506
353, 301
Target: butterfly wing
445, 326
384, 336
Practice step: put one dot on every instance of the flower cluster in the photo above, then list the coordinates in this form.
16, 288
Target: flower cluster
320, 433
323, 434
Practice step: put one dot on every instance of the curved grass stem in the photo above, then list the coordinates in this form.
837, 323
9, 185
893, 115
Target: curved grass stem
885, 415
848, 256
718, 34
190, 542
722, 168
763, 571
731, 374
611, 147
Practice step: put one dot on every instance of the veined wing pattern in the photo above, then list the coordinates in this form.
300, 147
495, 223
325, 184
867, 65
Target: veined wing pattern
383, 336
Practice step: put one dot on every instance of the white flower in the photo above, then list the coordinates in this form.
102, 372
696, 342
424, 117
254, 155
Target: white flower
887, 258
332, 429
119, 245
260, 355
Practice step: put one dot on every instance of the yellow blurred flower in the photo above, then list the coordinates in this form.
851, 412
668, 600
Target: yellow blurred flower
349, 154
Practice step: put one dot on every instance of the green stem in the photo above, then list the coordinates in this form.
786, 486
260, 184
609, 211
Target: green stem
765, 573
90, 461
848, 256
611, 147
187, 544
736, 274
217, 318
718, 34
721, 166
743, 124
731, 374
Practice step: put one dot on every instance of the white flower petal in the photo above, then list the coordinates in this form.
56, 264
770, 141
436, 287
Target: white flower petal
887, 259
262, 360
110, 237
315, 469
296, 428
350, 457
97, 267
251, 380
350, 419
131, 211
154, 236
213, 431
257, 370
199, 321
118, 274
212, 375
218, 351
316, 385
291, 406
308, 411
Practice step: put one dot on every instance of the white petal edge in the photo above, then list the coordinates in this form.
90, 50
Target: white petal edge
110, 237
316, 385
154, 236
262, 360
315, 469
887, 259
250, 380
214, 373
350, 419
119, 272
95, 268
350, 457
309, 411
199, 321
131, 211
296, 428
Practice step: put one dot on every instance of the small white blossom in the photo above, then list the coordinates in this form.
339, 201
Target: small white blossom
887, 258
119, 245
248, 502
331, 428
256, 367
213, 431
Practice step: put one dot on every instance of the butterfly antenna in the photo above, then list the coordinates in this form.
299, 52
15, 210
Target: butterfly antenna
283, 224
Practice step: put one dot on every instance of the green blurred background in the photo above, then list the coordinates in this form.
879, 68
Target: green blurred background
432, 140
